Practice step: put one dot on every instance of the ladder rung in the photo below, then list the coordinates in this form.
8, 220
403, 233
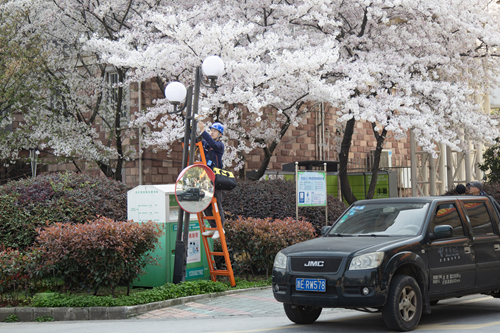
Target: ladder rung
220, 272
208, 217
217, 253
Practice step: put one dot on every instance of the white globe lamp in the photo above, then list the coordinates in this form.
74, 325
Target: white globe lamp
175, 92
213, 67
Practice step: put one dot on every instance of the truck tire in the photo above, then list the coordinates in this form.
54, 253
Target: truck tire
403, 308
301, 314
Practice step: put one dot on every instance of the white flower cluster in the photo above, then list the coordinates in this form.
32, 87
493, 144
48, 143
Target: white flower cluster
401, 64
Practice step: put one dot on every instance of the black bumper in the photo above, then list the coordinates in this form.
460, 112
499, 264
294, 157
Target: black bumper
343, 289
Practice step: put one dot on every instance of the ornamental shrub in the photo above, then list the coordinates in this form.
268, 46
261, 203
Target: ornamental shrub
253, 243
63, 197
100, 253
276, 199
19, 273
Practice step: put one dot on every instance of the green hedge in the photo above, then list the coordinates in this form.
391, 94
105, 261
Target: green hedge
63, 197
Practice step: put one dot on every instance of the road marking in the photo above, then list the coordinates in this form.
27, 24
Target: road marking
448, 326
473, 300
216, 308
453, 327
265, 299
440, 326
265, 329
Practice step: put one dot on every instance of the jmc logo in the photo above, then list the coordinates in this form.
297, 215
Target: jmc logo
315, 264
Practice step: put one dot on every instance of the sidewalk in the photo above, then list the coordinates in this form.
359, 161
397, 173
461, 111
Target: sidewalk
248, 302
191, 306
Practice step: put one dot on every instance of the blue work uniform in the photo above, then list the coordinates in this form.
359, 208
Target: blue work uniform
213, 151
213, 154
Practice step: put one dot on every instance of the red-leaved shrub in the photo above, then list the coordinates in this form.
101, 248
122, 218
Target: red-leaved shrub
100, 253
19, 272
253, 243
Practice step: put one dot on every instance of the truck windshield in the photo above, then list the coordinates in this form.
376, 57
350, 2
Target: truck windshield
399, 219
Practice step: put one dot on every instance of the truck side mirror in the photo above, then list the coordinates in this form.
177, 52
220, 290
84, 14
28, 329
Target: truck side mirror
442, 231
325, 229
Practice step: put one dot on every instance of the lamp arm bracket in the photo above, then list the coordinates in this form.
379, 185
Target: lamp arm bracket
178, 110
212, 84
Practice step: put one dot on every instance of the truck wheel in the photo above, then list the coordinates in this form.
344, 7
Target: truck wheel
403, 308
301, 314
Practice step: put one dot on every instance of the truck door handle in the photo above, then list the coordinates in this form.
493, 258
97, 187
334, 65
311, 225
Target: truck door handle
496, 247
467, 250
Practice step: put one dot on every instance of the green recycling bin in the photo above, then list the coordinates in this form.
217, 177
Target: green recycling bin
157, 203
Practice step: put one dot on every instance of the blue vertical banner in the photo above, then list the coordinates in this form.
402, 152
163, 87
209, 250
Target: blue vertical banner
311, 188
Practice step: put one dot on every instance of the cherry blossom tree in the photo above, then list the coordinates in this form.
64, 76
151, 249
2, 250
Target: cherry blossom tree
79, 94
401, 65
269, 74
20, 55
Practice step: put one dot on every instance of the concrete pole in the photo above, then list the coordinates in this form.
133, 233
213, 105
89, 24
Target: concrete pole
432, 174
413, 163
443, 171
468, 162
449, 168
479, 146
424, 169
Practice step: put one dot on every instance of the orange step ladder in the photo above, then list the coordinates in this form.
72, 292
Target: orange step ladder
212, 254
216, 216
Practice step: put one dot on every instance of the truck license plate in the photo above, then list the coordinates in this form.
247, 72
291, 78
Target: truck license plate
310, 285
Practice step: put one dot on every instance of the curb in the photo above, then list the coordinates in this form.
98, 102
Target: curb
27, 314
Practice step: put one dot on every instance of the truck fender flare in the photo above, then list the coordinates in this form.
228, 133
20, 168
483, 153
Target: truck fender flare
416, 261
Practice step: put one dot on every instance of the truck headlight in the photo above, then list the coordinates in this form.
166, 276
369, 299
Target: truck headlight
280, 260
367, 261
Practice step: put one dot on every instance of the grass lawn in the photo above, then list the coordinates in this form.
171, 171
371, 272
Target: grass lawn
45, 297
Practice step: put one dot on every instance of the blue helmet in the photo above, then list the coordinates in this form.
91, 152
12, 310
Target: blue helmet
219, 127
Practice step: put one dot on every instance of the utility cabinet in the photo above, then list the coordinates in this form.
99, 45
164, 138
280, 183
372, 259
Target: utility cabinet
157, 203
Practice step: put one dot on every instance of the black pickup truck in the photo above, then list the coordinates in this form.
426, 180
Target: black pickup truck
192, 193
398, 256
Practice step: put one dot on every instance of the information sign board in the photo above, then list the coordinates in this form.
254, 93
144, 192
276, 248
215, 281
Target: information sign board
311, 188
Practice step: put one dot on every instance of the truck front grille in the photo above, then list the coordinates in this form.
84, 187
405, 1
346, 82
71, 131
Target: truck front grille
316, 264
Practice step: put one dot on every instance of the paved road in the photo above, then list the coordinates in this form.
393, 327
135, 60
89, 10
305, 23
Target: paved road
257, 311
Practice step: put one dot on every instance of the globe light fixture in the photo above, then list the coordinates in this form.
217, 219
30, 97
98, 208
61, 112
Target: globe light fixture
175, 92
213, 67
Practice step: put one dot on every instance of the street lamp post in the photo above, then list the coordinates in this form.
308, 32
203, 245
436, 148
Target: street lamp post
176, 93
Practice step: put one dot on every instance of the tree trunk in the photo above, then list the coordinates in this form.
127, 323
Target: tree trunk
376, 162
344, 159
268, 152
118, 133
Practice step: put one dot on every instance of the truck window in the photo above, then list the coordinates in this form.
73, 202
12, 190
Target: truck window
479, 218
446, 214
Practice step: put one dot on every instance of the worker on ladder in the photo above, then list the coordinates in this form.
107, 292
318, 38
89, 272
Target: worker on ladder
214, 150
